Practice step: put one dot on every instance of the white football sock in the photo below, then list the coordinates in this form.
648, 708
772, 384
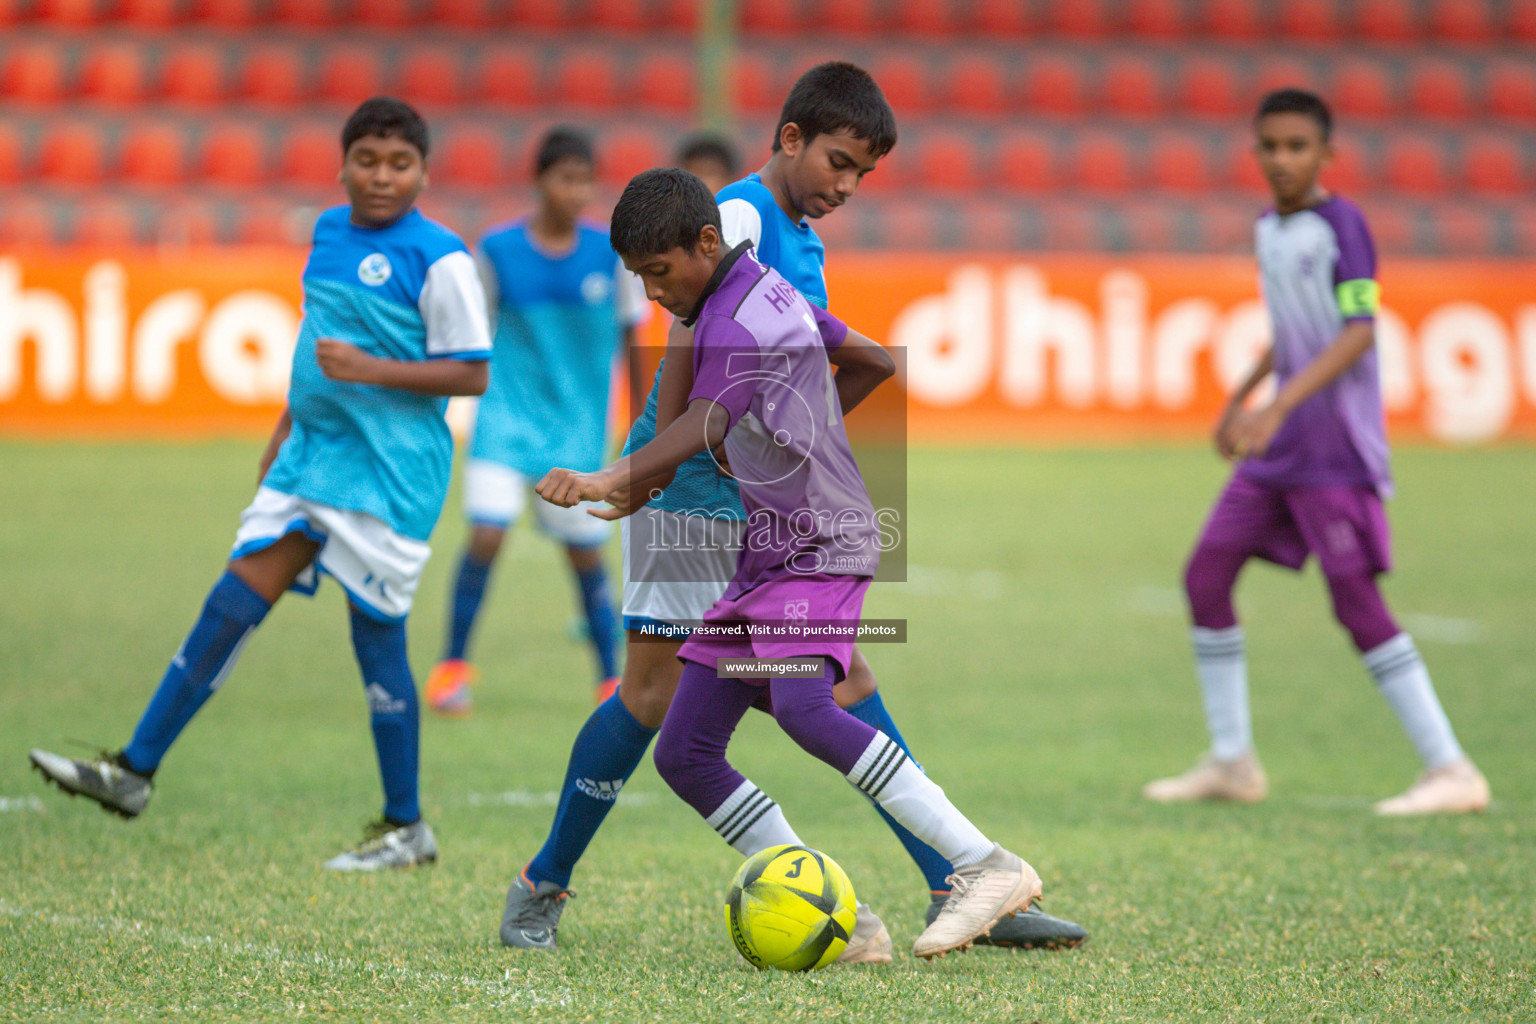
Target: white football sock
886, 775
1404, 681
750, 821
1222, 663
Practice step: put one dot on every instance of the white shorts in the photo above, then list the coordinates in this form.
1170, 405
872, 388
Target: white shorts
495, 495
378, 568
675, 566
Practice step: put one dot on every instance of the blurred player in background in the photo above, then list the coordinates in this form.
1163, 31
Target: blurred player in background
1311, 475
833, 129
353, 479
563, 305
710, 157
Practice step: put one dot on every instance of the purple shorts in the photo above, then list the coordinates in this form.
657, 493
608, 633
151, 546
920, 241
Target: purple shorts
1345, 527
804, 616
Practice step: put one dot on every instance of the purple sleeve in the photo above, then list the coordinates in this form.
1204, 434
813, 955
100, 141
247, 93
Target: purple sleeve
1357, 251
833, 331
723, 351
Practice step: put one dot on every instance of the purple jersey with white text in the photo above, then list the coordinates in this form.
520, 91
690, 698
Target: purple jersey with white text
760, 352
1318, 268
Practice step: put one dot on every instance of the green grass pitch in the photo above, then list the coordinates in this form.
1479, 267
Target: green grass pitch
1046, 678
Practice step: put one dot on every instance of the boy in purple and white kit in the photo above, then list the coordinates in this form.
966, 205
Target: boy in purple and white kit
1310, 479
762, 385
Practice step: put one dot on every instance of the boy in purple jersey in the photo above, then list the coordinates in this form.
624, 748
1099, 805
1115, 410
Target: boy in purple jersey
761, 384
1311, 475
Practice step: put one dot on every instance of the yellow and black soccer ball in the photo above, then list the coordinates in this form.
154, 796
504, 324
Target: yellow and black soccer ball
790, 908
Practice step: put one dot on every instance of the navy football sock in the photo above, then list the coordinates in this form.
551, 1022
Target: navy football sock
602, 623
210, 650
605, 755
395, 713
468, 592
936, 870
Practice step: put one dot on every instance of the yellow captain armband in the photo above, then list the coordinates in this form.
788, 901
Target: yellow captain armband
1361, 297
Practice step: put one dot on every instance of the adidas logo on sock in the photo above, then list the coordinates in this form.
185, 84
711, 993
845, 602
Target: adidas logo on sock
601, 789
381, 702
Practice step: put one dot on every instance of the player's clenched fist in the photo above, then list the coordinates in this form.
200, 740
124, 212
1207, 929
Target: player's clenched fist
342, 361
566, 487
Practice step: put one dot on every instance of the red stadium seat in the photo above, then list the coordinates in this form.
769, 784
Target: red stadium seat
430, 75
988, 226
617, 15
664, 81
13, 11
33, 73
158, 14
584, 78
545, 14
25, 221
1226, 226
913, 226
1521, 21
947, 161
1283, 73
994, 18
1086, 19
905, 80
1467, 21
1234, 19
193, 75
463, 14
1354, 167
509, 75
1132, 85
676, 15
1241, 166
1181, 162
349, 75
975, 83
845, 17
1071, 227
1311, 20
1390, 21
105, 223
70, 13
1054, 84
775, 17
1025, 161
1394, 227
274, 76
1363, 87
227, 13
1439, 88
1101, 162
305, 13
264, 222
13, 155
154, 154
311, 155
756, 79
934, 19
1416, 165
1466, 230
234, 155
627, 152
1495, 164
1208, 87
1158, 19
394, 15
72, 153
1153, 226
113, 74
1509, 88
471, 157
182, 223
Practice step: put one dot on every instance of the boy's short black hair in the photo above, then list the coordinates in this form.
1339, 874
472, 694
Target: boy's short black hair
563, 143
1298, 101
710, 146
662, 209
838, 96
387, 118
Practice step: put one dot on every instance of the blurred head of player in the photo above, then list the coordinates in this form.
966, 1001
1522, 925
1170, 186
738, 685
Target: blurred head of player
835, 125
383, 160
1293, 132
712, 158
565, 173
666, 229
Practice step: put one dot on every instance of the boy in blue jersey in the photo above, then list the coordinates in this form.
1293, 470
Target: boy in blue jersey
680, 548
353, 479
563, 304
1311, 475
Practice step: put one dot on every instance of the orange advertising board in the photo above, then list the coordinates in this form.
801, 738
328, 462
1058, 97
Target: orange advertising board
997, 348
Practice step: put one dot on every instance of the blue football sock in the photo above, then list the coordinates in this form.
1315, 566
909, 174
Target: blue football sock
602, 623
229, 614
936, 870
603, 758
468, 592
395, 713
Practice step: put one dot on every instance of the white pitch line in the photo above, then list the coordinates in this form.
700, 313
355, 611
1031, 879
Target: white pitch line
20, 803
1157, 601
1443, 628
505, 986
932, 580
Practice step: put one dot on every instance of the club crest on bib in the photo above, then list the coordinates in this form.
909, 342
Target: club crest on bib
374, 270
595, 287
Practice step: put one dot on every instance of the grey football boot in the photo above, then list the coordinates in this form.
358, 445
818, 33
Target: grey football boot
1028, 929
388, 846
105, 778
532, 914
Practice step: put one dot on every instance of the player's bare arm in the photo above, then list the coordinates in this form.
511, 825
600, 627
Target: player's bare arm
340, 360
862, 365
280, 434
1253, 431
1225, 442
702, 426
